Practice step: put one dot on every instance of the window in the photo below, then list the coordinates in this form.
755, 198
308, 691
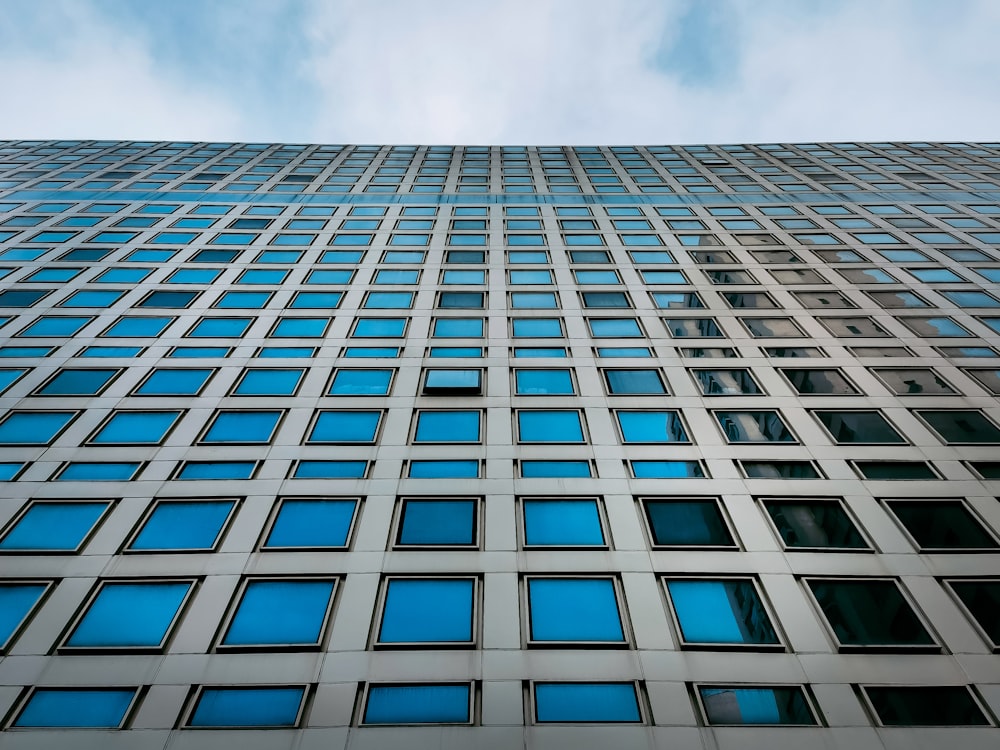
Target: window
379, 328
667, 470
813, 523
330, 470
183, 525
573, 611
981, 599
18, 599
421, 611
920, 706
440, 382
859, 427
414, 704
913, 381
562, 523
361, 382
651, 427
461, 300
754, 427
536, 328
869, 613
341, 426
895, 470
554, 469
438, 522
614, 328
388, 300
959, 427
307, 604
586, 703
692, 328
850, 327
543, 382
91, 708
54, 325
163, 381
687, 522
269, 382
130, 615
634, 382
726, 382
827, 382
469, 469
721, 612
942, 525
73, 382
755, 706
448, 427
247, 707
549, 426
169, 299
780, 470
52, 526
135, 428
312, 523
220, 327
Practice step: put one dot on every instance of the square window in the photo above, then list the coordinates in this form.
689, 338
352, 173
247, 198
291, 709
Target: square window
90, 708
868, 614
130, 615
827, 382
258, 707
813, 524
423, 611
181, 525
586, 703
388, 301
341, 426
413, 704
461, 300
959, 427
572, 611
942, 525
135, 428
242, 427
438, 522
305, 603
71, 382
734, 382
687, 522
563, 522
651, 427
448, 427
549, 426
721, 613
859, 427
313, 523
754, 427
164, 381
755, 706
937, 706
52, 526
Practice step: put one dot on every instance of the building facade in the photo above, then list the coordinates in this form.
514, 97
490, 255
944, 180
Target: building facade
449, 447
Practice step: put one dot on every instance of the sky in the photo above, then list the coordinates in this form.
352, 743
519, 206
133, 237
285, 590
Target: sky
503, 71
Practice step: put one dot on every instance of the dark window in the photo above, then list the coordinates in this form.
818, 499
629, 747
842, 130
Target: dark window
925, 706
858, 427
780, 470
913, 381
829, 382
745, 705
726, 382
895, 470
687, 522
754, 427
869, 613
958, 427
805, 523
434, 522
982, 600
721, 612
941, 525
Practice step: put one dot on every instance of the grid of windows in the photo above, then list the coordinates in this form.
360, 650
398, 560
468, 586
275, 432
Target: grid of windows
432, 422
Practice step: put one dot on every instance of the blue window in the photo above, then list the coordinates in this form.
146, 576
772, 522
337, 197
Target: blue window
536, 327
428, 610
562, 523
124, 276
164, 381
136, 428
971, 299
52, 325
88, 471
444, 469
163, 298
525, 240
538, 426
447, 523
582, 240
317, 300
543, 382
14, 352
304, 604
183, 525
446, 328
193, 276
242, 427
361, 383
574, 610
533, 352
352, 240
533, 301
150, 256
741, 706
441, 382
56, 237
694, 522
586, 703
530, 277
293, 239
527, 256
460, 277
220, 327
614, 328
445, 352
418, 704
329, 277
269, 382
389, 301
397, 276
651, 427
248, 707
312, 523
33, 427
76, 707
217, 470
199, 352
335, 426
379, 328
330, 470
233, 238
10, 469
130, 615
767, 426
721, 612
667, 469
53, 274
72, 382
293, 328
17, 601
556, 469
128, 352
134, 327
342, 256
448, 427
242, 300
634, 382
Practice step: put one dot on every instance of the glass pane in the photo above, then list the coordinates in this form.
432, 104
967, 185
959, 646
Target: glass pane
417, 704
311, 524
687, 523
941, 524
130, 615
925, 706
583, 702
58, 707
303, 606
810, 524
723, 611
427, 611
736, 706
183, 525
438, 522
574, 609
58, 527
247, 707
651, 427
562, 523
16, 602
869, 613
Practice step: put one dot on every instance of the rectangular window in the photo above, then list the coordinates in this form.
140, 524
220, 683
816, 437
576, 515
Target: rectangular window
754, 427
70, 381
573, 611
942, 525
858, 427
586, 703
549, 426
416, 704
563, 522
755, 706
356, 382
634, 382
895, 470
343, 426
330, 470
52, 526
920, 706
182, 525
543, 382
730, 382
554, 469
814, 381
18, 600
260, 381
85, 708
239, 707
721, 613
687, 522
448, 523
428, 611
667, 469
813, 524
869, 614
308, 602
419, 469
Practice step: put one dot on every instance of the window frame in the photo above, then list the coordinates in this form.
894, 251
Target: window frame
7, 528
138, 693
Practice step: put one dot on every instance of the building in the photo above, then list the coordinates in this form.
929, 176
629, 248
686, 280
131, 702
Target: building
432, 447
